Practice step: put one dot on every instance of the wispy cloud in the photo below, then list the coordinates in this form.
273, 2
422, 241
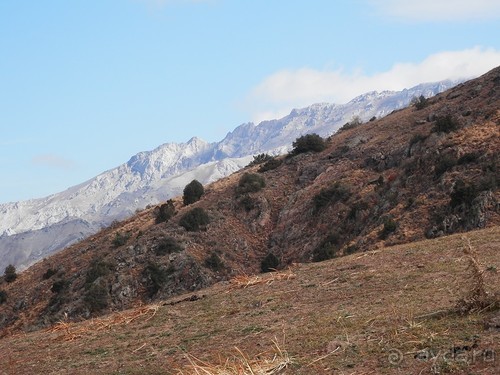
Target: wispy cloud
287, 89
163, 3
53, 161
439, 10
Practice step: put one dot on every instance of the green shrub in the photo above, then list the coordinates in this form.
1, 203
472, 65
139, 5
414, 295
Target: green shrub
259, 159
3, 297
98, 268
156, 276
309, 142
444, 164
445, 124
248, 203
333, 194
463, 193
270, 165
10, 274
192, 192
194, 220
327, 249
250, 183
49, 273
59, 286
419, 103
214, 262
470, 157
165, 212
269, 263
167, 245
96, 298
389, 227
120, 239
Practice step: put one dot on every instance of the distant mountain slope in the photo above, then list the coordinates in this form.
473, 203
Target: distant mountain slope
416, 173
153, 176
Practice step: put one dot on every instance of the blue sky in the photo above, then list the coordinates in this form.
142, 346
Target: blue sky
85, 84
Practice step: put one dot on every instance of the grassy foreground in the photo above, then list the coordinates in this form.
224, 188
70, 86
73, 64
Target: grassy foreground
389, 311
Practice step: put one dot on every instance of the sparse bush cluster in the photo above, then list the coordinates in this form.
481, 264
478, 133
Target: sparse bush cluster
59, 286
446, 163
97, 297
329, 195
167, 245
354, 123
10, 274
195, 220
463, 193
389, 227
327, 249
165, 212
248, 203
3, 297
250, 183
419, 103
269, 263
309, 142
260, 159
445, 124
193, 192
156, 276
98, 268
214, 262
49, 273
120, 239
270, 165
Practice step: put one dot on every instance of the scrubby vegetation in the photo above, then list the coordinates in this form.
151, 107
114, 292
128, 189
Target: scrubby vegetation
96, 298
445, 124
97, 269
120, 239
330, 195
194, 220
260, 159
49, 273
165, 212
250, 183
10, 274
192, 192
59, 286
271, 164
327, 249
167, 245
269, 263
419, 103
214, 262
389, 227
156, 276
3, 297
307, 143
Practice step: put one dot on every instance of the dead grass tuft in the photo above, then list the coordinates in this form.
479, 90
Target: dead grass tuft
477, 298
245, 281
277, 362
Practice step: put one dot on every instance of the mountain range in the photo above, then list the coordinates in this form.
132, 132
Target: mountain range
31, 230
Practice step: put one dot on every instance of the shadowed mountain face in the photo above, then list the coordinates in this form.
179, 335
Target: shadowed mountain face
154, 176
416, 173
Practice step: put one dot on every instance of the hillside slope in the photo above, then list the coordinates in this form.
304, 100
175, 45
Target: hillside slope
413, 174
389, 311
153, 176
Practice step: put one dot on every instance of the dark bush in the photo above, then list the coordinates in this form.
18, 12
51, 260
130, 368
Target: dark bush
156, 277
250, 183
96, 298
98, 268
355, 208
167, 245
10, 273
214, 262
470, 157
194, 220
445, 124
463, 193
3, 297
120, 239
270, 165
373, 118
193, 192
165, 212
420, 103
327, 249
309, 142
389, 227
444, 164
259, 159
248, 203
354, 123
59, 285
417, 138
49, 273
333, 194
269, 263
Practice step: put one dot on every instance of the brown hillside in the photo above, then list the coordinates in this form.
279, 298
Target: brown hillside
413, 174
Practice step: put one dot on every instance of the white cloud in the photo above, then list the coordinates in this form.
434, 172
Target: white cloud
53, 161
288, 89
436, 10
